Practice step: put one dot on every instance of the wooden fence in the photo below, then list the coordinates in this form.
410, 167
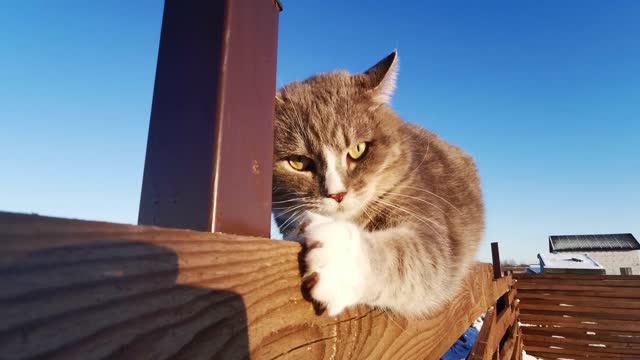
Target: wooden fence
580, 316
500, 337
87, 290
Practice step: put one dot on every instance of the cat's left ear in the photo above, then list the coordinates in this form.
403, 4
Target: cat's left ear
382, 78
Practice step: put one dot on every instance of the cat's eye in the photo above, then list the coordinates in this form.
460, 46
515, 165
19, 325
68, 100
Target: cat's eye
357, 151
299, 163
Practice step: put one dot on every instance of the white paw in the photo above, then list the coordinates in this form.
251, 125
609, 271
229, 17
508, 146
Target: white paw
338, 259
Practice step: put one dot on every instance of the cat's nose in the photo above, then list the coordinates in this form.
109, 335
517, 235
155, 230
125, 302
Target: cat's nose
338, 196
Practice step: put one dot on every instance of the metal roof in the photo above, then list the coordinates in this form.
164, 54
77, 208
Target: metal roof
603, 242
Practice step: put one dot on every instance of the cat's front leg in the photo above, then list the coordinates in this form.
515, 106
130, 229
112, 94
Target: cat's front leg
338, 269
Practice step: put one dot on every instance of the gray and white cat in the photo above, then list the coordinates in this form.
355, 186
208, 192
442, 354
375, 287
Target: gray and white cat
391, 214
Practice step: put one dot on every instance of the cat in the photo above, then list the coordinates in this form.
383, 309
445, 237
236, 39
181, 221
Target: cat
391, 214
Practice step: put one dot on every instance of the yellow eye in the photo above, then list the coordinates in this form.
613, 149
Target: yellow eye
357, 151
299, 163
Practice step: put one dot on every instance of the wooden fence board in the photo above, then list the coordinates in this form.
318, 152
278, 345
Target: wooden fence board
520, 348
580, 323
567, 277
83, 290
542, 353
580, 311
511, 342
579, 300
586, 294
503, 322
586, 334
603, 282
580, 316
480, 347
600, 351
635, 347
495, 328
569, 353
627, 291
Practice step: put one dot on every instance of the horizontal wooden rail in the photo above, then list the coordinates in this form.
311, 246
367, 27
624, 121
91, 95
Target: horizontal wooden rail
580, 316
578, 277
85, 290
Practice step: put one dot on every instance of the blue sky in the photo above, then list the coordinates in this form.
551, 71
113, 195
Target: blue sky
544, 94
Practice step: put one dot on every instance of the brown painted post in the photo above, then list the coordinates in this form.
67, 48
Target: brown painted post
210, 144
501, 304
495, 257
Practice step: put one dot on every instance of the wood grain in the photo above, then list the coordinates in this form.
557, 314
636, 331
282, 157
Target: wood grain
556, 353
580, 316
586, 294
632, 292
580, 277
596, 312
499, 334
578, 300
86, 290
634, 347
511, 342
480, 348
601, 335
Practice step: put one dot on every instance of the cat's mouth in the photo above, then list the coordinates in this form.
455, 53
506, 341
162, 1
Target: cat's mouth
348, 209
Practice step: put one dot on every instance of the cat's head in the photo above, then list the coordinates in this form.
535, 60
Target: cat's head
337, 144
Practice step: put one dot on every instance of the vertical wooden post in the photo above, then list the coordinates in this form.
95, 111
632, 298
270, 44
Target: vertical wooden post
501, 304
210, 144
495, 257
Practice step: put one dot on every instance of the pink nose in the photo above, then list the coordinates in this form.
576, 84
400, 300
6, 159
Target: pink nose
338, 197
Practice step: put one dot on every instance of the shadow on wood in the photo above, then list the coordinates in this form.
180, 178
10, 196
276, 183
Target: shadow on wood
114, 298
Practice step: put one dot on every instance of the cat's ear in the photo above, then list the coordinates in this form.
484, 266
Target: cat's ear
382, 78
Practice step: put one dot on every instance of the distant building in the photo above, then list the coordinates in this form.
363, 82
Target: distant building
611, 251
569, 263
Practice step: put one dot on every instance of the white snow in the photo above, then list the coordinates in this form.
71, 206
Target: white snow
568, 261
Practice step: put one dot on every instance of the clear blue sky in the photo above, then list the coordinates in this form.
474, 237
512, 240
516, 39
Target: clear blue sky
544, 94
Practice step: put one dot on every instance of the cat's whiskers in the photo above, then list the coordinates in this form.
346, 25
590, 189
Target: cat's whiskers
375, 208
290, 200
391, 193
432, 193
291, 220
294, 220
412, 211
422, 219
290, 209
364, 210
286, 209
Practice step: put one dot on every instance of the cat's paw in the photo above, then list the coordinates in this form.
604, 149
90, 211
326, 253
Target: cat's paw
338, 269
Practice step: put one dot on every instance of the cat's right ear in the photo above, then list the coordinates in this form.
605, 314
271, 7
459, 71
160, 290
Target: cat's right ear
381, 79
